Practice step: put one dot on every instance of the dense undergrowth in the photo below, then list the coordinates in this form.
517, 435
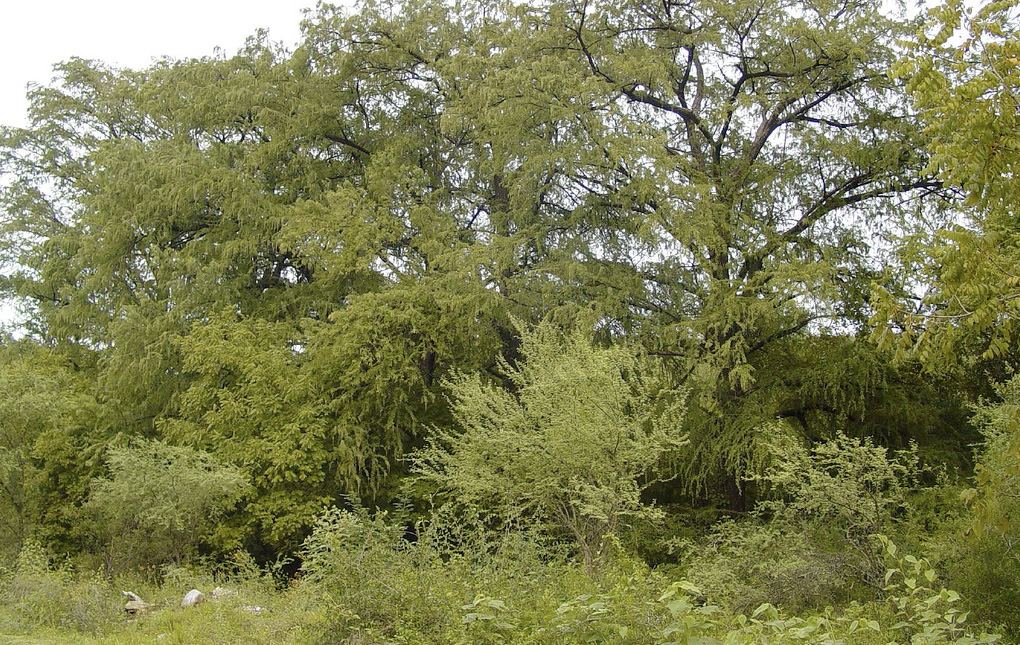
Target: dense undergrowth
534, 525
363, 582
810, 566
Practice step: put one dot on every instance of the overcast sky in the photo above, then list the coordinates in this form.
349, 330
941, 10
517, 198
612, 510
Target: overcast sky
36, 34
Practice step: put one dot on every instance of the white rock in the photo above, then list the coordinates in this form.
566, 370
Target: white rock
220, 592
254, 609
130, 595
192, 598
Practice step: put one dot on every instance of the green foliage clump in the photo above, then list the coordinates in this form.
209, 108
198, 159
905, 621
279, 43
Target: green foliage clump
373, 584
365, 583
995, 498
159, 502
37, 595
978, 552
253, 402
814, 543
457, 584
568, 447
962, 72
851, 487
40, 400
926, 611
376, 587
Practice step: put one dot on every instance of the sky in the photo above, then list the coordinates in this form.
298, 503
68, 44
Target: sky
36, 34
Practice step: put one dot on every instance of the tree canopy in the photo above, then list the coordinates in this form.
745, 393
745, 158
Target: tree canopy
963, 71
279, 258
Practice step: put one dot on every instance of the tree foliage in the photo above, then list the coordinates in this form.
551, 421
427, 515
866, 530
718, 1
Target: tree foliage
963, 71
721, 167
569, 448
41, 397
268, 283
159, 501
277, 257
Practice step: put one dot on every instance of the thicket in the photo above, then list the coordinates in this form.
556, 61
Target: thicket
578, 321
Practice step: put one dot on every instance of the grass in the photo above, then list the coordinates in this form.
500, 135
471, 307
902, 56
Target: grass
222, 621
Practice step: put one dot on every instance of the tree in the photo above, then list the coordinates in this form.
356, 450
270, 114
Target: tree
145, 202
720, 168
569, 449
159, 501
329, 232
963, 73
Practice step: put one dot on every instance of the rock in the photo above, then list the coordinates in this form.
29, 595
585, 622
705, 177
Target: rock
220, 592
130, 595
192, 598
133, 607
254, 609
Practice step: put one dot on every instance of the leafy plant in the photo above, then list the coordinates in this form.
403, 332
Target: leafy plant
927, 613
485, 620
981, 555
847, 485
812, 544
159, 501
568, 447
962, 72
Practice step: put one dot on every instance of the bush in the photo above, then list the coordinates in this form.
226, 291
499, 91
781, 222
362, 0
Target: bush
926, 611
159, 501
374, 584
814, 544
980, 554
844, 491
567, 448
40, 396
375, 587
38, 595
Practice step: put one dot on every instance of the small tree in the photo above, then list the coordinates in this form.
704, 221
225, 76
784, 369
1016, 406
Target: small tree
847, 485
568, 448
39, 395
159, 501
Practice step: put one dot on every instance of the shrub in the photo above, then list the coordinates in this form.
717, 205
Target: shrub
374, 584
926, 611
981, 555
814, 543
158, 502
375, 587
39, 595
567, 448
847, 488
40, 396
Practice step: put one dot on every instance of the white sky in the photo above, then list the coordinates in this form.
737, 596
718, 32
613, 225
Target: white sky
36, 34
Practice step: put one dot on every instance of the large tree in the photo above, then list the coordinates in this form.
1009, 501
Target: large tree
721, 169
275, 256
189, 227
